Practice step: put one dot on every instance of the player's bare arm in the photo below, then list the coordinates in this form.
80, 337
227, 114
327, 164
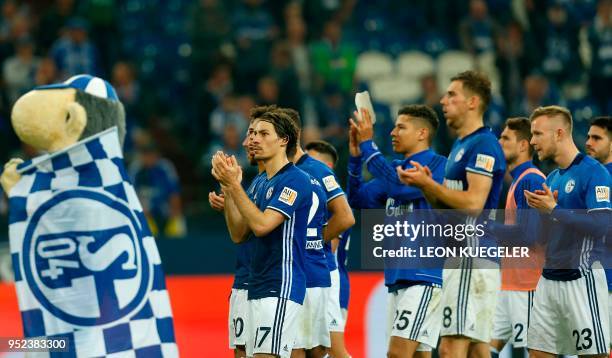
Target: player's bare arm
236, 225
341, 218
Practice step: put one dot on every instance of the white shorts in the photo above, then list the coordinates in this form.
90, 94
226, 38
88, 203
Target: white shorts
335, 319
238, 313
571, 317
512, 317
312, 326
469, 295
273, 323
414, 313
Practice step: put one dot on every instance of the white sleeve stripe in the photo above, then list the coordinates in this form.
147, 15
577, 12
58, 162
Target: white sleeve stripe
595, 209
279, 210
335, 196
478, 172
372, 156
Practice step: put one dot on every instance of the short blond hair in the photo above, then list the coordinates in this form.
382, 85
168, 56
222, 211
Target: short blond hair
553, 111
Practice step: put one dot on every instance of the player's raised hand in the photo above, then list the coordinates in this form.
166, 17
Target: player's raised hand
216, 201
234, 162
353, 141
363, 126
227, 168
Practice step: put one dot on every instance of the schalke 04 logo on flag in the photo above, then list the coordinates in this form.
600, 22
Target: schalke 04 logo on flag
86, 264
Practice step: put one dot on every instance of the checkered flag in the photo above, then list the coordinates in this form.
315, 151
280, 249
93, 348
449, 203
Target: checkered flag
86, 265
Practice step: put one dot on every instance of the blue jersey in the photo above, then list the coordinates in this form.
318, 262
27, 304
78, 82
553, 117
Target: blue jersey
277, 260
332, 190
584, 185
607, 264
243, 255
386, 191
341, 255
317, 272
479, 153
525, 231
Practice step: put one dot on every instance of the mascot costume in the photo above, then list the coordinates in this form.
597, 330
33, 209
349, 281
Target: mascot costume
86, 265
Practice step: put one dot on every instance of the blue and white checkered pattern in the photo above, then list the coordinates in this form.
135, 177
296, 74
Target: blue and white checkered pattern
86, 265
88, 84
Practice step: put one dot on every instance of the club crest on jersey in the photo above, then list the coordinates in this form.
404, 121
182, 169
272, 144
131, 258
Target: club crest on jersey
602, 193
330, 183
569, 186
459, 155
485, 162
269, 193
288, 196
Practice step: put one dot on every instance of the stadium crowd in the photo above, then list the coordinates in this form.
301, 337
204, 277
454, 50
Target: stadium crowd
189, 71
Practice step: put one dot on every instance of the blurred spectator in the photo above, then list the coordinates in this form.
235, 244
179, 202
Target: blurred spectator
208, 28
600, 43
230, 143
296, 37
515, 58
431, 97
46, 73
102, 18
227, 113
561, 61
333, 110
20, 70
12, 13
157, 186
74, 53
333, 60
537, 93
52, 22
209, 96
282, 70
318, 12
267, 91
253, 32
478, 30
128, 89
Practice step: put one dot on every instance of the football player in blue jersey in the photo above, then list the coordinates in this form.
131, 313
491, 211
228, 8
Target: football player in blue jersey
414, 293
278, 223
599, 146
472, 185
238, 299
326, 153
340, 219
570, 311
519, 276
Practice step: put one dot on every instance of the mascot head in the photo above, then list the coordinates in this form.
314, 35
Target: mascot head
53, 117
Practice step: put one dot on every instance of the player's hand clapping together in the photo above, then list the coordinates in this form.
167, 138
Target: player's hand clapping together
543, 200
226, 169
